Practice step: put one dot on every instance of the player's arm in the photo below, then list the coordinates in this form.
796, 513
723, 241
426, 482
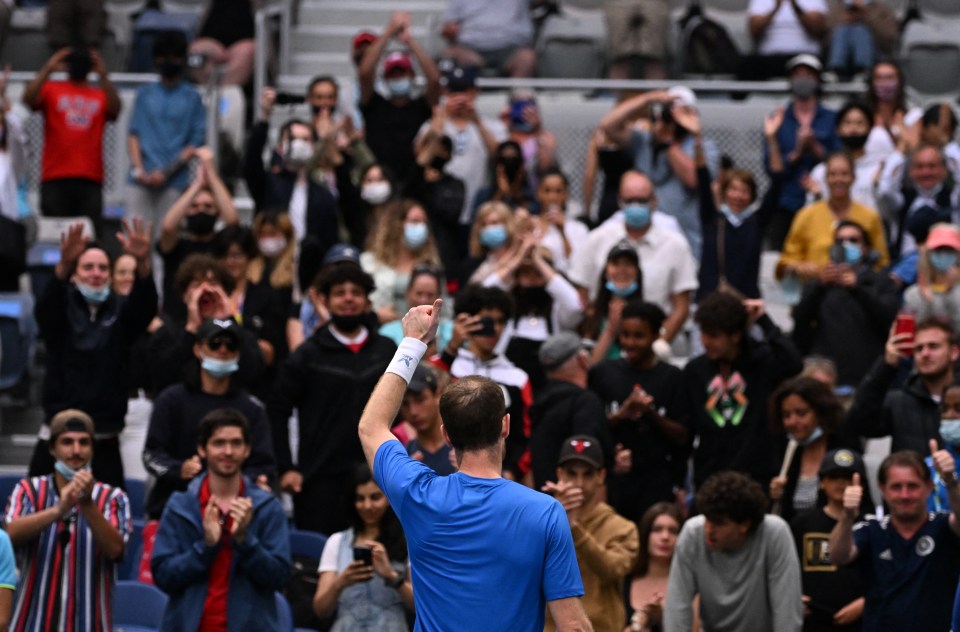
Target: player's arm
419, 328
568, 615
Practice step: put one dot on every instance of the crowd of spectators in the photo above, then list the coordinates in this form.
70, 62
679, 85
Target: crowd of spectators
707, 471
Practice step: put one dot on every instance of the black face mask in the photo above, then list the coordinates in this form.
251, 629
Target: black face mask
170, 69
533, 301
79, 64
511, 166
347, 324
439, 162
854, 142
315, 109
201, 224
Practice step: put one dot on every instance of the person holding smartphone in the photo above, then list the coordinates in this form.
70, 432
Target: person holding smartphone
363, 569
481, 317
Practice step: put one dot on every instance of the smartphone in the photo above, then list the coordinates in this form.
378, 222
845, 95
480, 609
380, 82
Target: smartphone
837, 254
906, 324
486, 327
363, 554
516, 114
287, 98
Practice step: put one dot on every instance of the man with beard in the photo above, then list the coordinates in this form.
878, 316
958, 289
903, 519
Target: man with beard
909, 560
74, 115
222, 548
909, 414
328, 380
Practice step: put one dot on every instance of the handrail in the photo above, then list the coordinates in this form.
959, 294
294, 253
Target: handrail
697, 85
261, 54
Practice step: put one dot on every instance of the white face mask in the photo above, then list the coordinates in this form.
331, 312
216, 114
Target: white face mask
299, 152
375, 192
271, 246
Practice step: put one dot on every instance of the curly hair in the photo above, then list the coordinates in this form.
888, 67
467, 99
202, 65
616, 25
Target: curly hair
201, 267
732, 496
721, 313
386, 240
820, 397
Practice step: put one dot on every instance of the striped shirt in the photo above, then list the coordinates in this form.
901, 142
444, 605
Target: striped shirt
66, 583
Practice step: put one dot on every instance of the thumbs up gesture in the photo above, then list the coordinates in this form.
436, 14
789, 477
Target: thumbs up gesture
852, 496
943, 463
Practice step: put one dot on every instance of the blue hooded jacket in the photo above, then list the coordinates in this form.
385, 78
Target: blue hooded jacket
261, 563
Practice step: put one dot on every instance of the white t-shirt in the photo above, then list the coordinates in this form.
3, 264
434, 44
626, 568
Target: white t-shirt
666, 261
785, 34
576, 232
298, 209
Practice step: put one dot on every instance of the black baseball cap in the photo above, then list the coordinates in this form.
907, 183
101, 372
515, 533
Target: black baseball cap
423, 377
623, 249
213, 327
582, 448
841, 461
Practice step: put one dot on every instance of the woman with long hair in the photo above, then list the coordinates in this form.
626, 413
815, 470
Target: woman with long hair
365, 596
807, 413
646, 586
274, 266
401, 240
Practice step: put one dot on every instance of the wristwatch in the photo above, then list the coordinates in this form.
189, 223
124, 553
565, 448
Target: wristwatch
397, 582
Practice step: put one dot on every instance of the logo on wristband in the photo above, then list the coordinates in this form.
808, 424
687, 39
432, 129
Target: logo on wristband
405, 359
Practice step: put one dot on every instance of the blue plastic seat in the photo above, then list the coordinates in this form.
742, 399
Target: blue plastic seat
137, 607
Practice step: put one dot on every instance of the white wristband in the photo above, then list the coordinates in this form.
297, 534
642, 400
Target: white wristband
407, 357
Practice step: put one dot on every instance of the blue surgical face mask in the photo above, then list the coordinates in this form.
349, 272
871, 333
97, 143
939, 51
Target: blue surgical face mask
816, 434
622, 292
415, 235
852, 253
950, 431
636, 215
493, 236
219, 369
94, 296
942, 260
66, 471
399, 87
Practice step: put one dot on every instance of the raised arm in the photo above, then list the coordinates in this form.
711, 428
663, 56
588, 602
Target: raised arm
843, 550
221, 195
615, 123
170, 228
31, 94
419, 329
113, 99
367, 71
947, 469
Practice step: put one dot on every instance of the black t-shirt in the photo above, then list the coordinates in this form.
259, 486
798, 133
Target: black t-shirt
829, 587
173, 305
657, 464
391, 130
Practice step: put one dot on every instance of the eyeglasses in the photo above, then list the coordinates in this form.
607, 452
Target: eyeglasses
216, 343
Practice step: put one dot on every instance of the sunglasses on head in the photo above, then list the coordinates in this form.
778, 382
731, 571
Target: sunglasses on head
216, 343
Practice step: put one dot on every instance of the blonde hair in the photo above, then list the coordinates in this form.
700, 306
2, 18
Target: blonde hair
504, 216
387, 237
283, 269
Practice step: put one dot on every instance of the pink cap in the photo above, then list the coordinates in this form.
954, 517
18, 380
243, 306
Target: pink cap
943, 235
397, 61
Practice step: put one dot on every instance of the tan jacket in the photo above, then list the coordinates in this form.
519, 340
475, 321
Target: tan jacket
607, 545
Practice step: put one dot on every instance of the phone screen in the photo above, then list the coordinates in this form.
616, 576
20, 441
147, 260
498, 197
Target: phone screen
363, 554
906, 324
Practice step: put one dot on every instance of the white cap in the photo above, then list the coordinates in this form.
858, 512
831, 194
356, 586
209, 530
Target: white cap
805, 59
683, 95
